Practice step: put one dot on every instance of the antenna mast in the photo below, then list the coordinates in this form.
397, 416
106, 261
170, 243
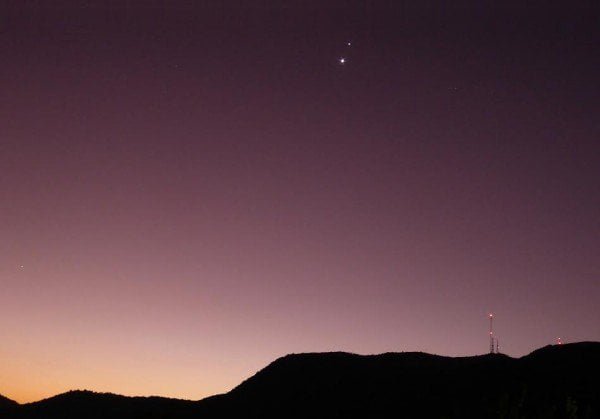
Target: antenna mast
491, 334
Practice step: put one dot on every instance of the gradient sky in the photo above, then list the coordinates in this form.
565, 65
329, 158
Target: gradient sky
189, 192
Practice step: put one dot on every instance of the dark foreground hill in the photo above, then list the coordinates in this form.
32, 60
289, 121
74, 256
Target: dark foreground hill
6, 402
88, 404
552, 382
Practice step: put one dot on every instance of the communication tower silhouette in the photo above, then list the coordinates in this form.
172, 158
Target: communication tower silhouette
491, 333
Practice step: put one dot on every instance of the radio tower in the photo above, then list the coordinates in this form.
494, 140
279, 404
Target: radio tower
491, 334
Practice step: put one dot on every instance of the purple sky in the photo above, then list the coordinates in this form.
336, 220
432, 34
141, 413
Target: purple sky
191, 192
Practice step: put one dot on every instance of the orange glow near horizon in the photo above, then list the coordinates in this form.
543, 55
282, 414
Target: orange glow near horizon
34, 379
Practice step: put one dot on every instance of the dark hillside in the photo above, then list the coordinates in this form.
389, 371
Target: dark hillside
388, 385
87, 404
6, 402
552, 382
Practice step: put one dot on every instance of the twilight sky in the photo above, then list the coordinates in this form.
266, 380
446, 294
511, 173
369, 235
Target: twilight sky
189, 192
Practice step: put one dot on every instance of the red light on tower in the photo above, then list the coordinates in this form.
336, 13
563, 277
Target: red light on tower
558, 341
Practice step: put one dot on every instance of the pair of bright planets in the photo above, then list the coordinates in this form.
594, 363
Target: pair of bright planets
343, 60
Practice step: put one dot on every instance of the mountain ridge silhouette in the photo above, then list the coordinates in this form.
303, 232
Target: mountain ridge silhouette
551, 382
5, 401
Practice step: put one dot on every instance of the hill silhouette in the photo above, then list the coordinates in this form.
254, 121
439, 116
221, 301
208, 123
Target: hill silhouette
6, 402
551, 382
88, 404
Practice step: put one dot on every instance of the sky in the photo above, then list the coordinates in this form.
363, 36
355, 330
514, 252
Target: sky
190, 190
